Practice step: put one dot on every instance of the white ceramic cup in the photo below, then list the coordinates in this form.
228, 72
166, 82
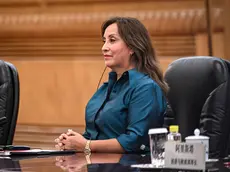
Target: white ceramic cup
199, 139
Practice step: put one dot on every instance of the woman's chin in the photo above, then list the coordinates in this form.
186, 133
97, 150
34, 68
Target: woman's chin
108, 64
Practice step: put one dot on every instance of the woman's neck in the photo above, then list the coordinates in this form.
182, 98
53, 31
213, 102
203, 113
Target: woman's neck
121, 71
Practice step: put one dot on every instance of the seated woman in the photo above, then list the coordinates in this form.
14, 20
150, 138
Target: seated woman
121, 112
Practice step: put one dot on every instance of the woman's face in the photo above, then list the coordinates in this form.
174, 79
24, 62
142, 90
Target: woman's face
116, 52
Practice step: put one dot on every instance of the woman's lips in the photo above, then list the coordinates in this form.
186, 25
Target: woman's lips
107, 56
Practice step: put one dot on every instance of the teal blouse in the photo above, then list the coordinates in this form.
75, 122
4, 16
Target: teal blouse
125, 109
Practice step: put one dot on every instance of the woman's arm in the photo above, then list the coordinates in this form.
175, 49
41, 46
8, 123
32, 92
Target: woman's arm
110, 145
144, 112
74, 140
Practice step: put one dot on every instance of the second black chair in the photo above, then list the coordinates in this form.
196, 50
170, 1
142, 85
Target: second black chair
199, 97
9, 102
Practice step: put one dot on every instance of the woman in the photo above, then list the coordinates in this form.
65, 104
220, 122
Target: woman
121, 112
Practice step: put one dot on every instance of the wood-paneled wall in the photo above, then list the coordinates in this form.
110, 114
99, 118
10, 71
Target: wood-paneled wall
59, 75
56, 47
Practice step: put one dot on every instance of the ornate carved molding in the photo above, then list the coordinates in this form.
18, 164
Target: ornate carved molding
53, 2
158, 22
185, 21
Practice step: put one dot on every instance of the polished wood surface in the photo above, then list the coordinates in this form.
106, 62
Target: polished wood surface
42, 137
71, 163
95, 163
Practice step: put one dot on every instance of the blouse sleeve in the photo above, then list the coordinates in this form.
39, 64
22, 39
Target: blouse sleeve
86, 135
144, 112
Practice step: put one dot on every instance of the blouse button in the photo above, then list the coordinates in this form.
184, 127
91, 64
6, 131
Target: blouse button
142, 147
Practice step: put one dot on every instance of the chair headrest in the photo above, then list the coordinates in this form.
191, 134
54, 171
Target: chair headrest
194, 78
191, 80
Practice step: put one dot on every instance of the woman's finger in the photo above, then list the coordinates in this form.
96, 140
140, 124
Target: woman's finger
70, 132
57, 140
60, 144
58, 147
64, 136
60, 137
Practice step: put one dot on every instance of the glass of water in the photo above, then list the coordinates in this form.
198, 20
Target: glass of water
157, 137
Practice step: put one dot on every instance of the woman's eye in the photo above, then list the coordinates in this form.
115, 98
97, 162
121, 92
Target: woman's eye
112, 40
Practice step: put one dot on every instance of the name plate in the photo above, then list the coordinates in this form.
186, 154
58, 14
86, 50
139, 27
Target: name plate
184, 155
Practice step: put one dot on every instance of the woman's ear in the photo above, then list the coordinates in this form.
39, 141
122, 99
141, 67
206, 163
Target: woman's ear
131, 52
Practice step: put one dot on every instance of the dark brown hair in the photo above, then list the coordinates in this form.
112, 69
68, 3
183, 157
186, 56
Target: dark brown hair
137, 38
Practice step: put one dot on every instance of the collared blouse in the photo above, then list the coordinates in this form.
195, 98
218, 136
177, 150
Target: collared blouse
125, 109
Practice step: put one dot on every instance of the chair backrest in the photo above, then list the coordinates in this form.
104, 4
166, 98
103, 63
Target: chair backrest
199, 97
9, 102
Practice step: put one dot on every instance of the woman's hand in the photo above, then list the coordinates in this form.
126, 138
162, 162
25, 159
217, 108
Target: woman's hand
59, 145
71, 140
59, 140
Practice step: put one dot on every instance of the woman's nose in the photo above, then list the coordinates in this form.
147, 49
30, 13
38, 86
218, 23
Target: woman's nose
105, 48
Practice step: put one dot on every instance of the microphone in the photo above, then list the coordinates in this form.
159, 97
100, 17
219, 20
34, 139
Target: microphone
101, 77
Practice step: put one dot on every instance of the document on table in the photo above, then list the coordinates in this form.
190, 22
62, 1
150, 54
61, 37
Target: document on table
36, 152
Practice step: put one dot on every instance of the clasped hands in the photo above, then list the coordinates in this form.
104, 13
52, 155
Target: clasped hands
70, 141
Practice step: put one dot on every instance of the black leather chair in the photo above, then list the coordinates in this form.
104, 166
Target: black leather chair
199, 97
9, 102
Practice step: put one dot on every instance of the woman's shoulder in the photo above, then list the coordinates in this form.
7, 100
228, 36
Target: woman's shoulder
146, 83
139, 79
